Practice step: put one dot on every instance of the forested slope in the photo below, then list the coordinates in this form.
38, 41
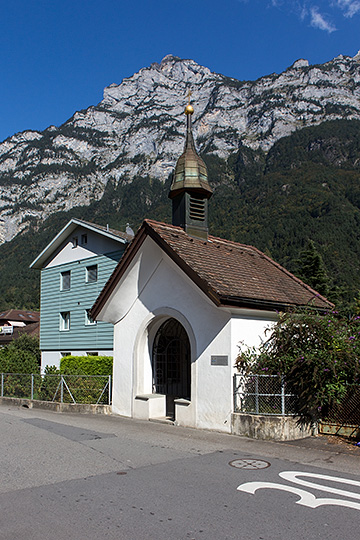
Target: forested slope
307, 187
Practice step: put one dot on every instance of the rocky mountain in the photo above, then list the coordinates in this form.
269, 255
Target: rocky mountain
304, 190
137, 131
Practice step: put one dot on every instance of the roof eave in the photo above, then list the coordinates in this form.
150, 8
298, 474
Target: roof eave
266, 305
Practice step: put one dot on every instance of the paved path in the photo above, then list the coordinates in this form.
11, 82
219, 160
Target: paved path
89, 477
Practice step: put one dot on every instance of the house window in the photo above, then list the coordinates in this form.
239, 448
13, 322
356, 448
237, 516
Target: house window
84, 238
91, 273
75, 241
92, 353
65, 280
88, 319
65, 320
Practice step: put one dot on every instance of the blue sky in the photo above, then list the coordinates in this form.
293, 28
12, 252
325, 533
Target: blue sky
57, 56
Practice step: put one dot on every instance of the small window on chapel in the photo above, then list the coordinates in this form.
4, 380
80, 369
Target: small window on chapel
84, 239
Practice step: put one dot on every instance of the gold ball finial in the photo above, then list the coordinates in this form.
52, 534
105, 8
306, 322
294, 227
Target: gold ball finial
189, 109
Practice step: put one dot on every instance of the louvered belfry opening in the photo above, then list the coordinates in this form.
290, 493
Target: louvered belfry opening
197, 208
171, 363
190, 189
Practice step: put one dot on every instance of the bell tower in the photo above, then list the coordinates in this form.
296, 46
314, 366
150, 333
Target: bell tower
190, 189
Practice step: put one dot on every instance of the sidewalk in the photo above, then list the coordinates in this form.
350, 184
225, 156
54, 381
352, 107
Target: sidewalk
329, 443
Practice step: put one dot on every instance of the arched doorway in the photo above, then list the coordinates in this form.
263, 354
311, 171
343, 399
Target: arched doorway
171, 363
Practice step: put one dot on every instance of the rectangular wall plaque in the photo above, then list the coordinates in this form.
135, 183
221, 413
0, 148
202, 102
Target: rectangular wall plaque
219, 360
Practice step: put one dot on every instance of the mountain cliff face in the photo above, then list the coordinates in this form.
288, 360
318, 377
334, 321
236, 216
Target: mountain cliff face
137, 130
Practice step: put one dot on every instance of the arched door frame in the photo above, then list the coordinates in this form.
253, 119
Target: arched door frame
142, 369
171, 363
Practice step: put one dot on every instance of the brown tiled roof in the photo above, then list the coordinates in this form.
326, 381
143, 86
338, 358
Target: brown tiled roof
231, 274
20, 315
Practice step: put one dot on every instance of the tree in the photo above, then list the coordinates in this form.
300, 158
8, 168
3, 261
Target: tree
311, 269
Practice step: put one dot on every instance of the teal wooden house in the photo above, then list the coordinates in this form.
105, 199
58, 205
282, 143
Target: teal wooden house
75, 266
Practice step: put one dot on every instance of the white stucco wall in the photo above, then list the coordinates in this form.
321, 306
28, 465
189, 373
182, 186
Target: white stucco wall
153, 289
248, 329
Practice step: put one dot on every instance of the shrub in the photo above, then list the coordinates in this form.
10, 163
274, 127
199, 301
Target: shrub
86, 365
86, 389
21, 356
49, 383
319, 356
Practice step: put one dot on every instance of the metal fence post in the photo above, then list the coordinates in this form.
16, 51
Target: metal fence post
282, 395
257, 394
2, 385
234, 391
110, 389
62, 389
32, 387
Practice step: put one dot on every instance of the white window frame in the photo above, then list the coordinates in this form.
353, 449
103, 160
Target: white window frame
88, 273
62, 276
64, 321
88, 320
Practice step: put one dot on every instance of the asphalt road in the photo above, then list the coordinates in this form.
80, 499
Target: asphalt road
89, 477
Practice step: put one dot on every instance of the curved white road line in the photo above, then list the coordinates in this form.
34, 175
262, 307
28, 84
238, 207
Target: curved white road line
306, 499
291, 476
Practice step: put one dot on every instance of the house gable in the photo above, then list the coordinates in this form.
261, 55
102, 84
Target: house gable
79, 240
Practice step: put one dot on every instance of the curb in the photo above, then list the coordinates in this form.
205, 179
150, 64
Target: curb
79, 408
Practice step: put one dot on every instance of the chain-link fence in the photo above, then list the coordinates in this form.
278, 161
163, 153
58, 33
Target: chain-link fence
348, 411
263, 394
95, 389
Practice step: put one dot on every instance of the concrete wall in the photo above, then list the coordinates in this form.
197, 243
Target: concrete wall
276, 428
77, 408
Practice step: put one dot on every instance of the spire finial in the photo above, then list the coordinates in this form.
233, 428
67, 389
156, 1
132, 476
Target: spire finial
189, 109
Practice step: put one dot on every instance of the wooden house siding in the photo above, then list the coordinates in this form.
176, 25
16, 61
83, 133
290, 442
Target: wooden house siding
76, 300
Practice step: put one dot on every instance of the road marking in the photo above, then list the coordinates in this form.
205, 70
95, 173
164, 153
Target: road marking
307, 498
291, 476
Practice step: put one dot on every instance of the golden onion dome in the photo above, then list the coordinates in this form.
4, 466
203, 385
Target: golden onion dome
189, 109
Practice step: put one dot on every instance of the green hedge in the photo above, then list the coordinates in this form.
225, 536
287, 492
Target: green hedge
21, 356
86, 365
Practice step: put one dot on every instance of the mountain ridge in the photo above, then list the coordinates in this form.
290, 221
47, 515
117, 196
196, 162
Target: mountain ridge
137, 130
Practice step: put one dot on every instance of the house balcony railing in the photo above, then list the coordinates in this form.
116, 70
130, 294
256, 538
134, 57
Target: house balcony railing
6, 330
